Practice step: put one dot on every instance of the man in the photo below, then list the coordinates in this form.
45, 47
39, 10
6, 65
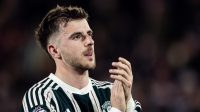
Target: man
65, 35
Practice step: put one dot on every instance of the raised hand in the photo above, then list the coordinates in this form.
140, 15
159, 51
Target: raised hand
122, 72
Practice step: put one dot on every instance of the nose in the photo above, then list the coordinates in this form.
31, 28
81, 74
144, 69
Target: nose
89, 41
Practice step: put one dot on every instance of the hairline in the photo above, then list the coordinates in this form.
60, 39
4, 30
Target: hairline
53, 37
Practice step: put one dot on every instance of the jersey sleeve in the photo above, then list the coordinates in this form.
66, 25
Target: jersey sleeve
113, 109
133, 106
138, 107
38, 102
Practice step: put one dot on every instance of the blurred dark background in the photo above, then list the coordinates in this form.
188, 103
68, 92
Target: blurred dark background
161, 38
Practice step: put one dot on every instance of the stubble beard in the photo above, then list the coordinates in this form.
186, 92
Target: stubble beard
78, 63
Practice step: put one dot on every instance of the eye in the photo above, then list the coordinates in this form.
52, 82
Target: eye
77, 36
90, 33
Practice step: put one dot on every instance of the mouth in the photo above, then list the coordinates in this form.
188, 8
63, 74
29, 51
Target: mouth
89, 54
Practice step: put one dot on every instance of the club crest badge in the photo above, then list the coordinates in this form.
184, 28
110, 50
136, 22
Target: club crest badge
106, 106
39, 109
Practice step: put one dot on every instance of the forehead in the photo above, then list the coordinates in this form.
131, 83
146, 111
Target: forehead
80, 25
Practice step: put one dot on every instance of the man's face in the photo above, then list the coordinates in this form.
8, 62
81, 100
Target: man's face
76, 45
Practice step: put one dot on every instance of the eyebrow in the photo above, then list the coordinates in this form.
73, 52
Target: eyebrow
75, 33
90, 31
80, 33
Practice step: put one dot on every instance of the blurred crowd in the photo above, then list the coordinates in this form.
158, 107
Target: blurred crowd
161, 38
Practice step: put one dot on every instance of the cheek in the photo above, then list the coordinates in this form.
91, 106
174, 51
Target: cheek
73, 49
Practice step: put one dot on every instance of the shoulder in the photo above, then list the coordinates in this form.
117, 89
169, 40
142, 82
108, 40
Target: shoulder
41, 86
38, 93
101, 84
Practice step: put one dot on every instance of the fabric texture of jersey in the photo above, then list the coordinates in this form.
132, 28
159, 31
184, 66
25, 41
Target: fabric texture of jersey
53, 95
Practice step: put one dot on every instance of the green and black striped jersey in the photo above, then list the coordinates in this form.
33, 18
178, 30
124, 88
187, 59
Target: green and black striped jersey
53, 95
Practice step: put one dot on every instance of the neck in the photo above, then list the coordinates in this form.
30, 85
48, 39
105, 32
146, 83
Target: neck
75, 78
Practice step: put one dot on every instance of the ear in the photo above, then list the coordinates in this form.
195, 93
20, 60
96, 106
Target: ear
53, 51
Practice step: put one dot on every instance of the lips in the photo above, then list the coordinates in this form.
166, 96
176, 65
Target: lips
88, 52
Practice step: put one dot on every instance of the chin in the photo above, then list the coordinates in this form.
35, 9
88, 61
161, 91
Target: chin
90, 65
93, 67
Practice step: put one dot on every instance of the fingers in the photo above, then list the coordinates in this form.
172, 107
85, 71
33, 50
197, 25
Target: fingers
119, 72
124, 61
123, 64
125, 67
122, 79
122, 71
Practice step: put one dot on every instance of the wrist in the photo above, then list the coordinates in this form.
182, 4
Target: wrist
130, 103
113, 109
129, 98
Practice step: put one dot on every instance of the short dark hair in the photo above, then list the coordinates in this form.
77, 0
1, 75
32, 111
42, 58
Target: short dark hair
52, 20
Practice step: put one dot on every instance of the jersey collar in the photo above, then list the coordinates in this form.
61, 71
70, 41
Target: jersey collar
68, 88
